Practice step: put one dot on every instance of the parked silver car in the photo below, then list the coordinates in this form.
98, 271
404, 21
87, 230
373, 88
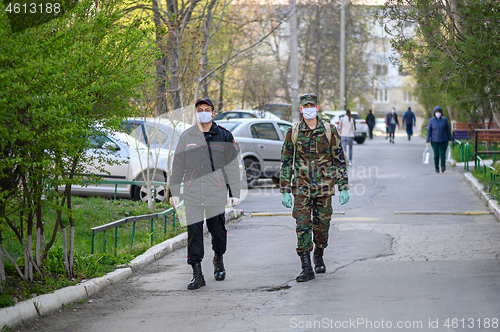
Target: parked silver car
156, 132
361, 131
260, 142
132, 163
244, 114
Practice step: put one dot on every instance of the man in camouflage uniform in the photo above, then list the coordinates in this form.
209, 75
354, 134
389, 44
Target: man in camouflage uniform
319, 165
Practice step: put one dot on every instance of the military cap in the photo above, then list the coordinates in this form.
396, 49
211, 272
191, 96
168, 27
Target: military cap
308, 98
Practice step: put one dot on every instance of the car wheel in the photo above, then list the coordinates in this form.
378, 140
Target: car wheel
252, 171
140, 193
359, 140
276, 182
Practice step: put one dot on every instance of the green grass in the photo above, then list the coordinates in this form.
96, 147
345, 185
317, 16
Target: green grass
88, 212
492, 187
457, 155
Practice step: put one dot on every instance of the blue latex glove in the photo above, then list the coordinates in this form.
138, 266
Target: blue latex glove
286, 200
343, 197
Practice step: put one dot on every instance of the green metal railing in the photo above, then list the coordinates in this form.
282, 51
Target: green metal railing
133, 220
464, 153
487, 169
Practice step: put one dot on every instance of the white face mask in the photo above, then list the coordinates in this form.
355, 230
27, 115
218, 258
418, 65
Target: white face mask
438, 114
204, 117
309, 113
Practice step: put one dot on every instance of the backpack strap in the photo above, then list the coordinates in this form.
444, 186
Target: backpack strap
328, 128
295, 135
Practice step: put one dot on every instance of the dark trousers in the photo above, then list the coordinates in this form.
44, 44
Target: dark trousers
439, 149
392, 129
216, 224
370, 131
409, 130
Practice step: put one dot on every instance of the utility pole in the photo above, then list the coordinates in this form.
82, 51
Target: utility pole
294, 66
342, 56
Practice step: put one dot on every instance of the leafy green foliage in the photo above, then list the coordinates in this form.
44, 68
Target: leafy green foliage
63, 81
454, 53
25, 14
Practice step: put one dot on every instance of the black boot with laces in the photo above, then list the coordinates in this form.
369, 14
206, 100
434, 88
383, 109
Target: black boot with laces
319, 264
219, 270
198, 279
307, 270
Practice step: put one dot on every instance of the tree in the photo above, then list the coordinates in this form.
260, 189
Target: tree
62, 83
454, 49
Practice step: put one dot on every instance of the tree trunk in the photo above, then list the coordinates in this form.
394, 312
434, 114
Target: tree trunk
174, 54
161, 64
2, 265
65, 250
71, 269
29, 244
39, 233
495, 110
221, 90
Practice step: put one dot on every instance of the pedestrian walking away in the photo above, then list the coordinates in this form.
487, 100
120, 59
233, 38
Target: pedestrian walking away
370, 121
392, 122
438, 136
206, 163
410, 121
312, 162
346, 129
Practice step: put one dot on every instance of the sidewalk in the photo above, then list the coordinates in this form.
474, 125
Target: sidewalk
383, 268
49, 303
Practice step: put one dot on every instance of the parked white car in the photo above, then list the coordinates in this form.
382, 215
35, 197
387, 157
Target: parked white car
132, 164
361, 127
156, 132
380, 125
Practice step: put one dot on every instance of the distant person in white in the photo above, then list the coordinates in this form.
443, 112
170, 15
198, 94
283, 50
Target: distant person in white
346, 129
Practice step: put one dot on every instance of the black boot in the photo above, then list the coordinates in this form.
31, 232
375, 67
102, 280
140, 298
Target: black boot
319, 265
219, 270
198, 279
307, 270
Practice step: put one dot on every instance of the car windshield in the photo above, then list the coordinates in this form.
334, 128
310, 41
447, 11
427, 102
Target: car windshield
131, 141
230, 125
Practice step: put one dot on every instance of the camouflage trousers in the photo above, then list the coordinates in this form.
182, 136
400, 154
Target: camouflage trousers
321, 210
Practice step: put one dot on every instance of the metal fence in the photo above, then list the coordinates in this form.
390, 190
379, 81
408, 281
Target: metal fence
116, 224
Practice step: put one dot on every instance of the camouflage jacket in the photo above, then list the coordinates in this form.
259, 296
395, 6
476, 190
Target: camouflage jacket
316, 169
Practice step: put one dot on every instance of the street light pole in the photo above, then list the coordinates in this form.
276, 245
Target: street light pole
294, 68
342, 57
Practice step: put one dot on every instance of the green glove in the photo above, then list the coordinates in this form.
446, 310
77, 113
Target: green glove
343, 197
286, 200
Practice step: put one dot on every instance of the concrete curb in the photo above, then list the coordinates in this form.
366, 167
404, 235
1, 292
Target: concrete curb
47, 303
478, 187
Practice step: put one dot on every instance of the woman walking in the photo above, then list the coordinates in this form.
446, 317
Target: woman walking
346, 129
438, 135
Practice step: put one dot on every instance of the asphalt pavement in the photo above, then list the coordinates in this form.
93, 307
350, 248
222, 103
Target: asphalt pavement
385, 271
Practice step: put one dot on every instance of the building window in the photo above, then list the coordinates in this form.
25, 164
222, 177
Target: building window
380, 69
408, 97
381, 96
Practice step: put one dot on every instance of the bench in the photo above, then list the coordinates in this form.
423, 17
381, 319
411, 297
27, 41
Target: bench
465, 130
485, 135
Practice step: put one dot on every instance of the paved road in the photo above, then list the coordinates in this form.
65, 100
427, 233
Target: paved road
385, 272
